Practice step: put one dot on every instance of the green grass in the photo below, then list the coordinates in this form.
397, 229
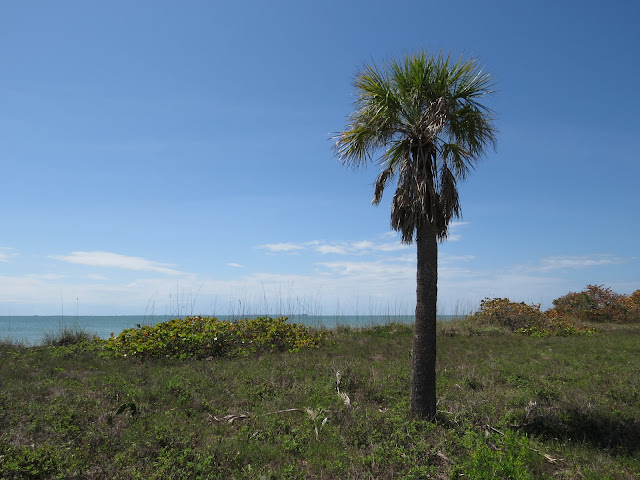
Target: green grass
509, 406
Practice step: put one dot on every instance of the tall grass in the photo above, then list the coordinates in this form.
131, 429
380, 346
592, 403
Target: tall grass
66, 336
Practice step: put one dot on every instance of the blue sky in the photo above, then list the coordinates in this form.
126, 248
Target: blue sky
175, 157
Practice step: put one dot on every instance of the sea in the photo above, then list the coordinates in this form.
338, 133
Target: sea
32, 330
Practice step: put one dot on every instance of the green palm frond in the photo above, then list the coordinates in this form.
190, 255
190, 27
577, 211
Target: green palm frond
456, 157
424, 118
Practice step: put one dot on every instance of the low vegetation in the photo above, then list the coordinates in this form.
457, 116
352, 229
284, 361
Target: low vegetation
309, 404
596, 304
513, 317
206, 337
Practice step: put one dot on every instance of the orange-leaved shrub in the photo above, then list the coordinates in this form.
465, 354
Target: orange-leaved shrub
633, 304
502, 312
523, 318
598, 303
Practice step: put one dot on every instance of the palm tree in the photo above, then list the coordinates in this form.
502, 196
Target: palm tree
423, 115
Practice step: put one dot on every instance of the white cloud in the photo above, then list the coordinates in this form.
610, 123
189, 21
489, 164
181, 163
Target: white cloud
44, 295
337, 249
376, 270
115, 260
453, 227
361, 247
282, 247
347, 277
554, 263
96, 276
6, 254
390, 247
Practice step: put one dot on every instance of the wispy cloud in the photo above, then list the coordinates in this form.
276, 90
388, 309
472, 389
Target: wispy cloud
326, 249
235, 265
386, 242
6, 253
361, 247
453, 228
115, 260
45, 294
96, 277
570, 262
373, 270
281, 247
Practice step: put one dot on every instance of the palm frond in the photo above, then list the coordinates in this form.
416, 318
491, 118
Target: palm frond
454, 155
424, 118
381, 183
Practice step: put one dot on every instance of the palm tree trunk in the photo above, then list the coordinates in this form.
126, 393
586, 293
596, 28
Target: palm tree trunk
423, 382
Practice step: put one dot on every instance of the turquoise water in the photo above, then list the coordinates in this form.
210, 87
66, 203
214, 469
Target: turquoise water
33, 329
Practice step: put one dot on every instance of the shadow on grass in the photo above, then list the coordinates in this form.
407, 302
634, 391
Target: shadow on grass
614, 433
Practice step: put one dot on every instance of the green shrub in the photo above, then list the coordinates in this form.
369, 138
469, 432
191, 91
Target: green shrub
553, 324
34, 462
203, 337
596, 303
499, 457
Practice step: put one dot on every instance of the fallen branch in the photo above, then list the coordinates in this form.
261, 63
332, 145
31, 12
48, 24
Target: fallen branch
231, 417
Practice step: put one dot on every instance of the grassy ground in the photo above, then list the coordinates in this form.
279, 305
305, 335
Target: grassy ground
509, 406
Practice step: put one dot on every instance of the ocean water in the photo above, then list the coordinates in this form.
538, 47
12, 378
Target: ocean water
33, 329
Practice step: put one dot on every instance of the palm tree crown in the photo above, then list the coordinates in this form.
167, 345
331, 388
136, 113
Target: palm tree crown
424, 112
